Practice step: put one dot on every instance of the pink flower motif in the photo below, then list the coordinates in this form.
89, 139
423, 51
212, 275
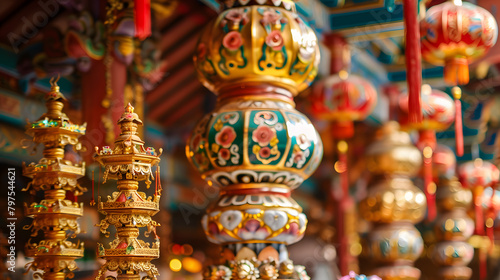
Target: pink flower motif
271, 17
263, 135
232, 41
265, 152
303, 142
237, 16
275, 40
298, 156
252, 225
224, 154
225, 136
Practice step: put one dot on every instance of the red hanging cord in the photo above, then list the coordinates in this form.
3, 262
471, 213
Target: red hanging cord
413, 60
483, 263
341, 168
142, 14
459, 136
429, 185
478, 209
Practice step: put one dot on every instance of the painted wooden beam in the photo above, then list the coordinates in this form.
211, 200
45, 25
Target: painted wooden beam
174, 100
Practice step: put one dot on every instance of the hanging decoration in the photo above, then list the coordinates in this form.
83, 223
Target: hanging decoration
453, 35
393, 204
142, 18
438, 114
57, 214
477, 175
342, 99
128, 210
413, 60
453, 228
255, 145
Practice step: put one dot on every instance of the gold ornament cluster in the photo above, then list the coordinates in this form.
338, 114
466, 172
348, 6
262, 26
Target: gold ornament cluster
129, 162
394, 204
56, 215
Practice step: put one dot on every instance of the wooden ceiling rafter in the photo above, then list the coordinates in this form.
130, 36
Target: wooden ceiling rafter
189, 106
170, 82
173, 100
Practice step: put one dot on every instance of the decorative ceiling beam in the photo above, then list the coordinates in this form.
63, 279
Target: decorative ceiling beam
169, 83
173, 100
189, 108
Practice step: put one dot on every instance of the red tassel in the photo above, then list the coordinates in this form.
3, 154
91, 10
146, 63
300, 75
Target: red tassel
429, 185
459, 136
478, 209
342, 129
456, 71
142, 14
92, 202
413, 60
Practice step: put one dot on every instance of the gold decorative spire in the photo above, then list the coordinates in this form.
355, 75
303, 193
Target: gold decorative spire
56, 215
394, 204
129, 162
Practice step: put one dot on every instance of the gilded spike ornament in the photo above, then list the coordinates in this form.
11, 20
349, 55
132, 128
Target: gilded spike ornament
128, 210
394, 204
255, 146
56, 215
453, 226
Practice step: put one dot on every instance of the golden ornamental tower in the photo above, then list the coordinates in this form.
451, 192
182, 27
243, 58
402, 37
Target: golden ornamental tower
55, 217
453, 225
394, 204
256, 56
128, 210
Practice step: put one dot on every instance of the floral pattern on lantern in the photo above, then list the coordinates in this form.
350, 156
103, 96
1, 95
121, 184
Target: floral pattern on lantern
277, 146
255, 54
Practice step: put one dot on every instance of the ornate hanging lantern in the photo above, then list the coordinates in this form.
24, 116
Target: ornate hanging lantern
257, 55
342, 99
438, 114
454, 34
394, 204
453, 227
129, 162
478, 175
56, 215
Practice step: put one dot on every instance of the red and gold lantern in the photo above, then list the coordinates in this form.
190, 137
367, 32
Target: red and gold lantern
478, 175
342, 99
438, 113
453, 35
